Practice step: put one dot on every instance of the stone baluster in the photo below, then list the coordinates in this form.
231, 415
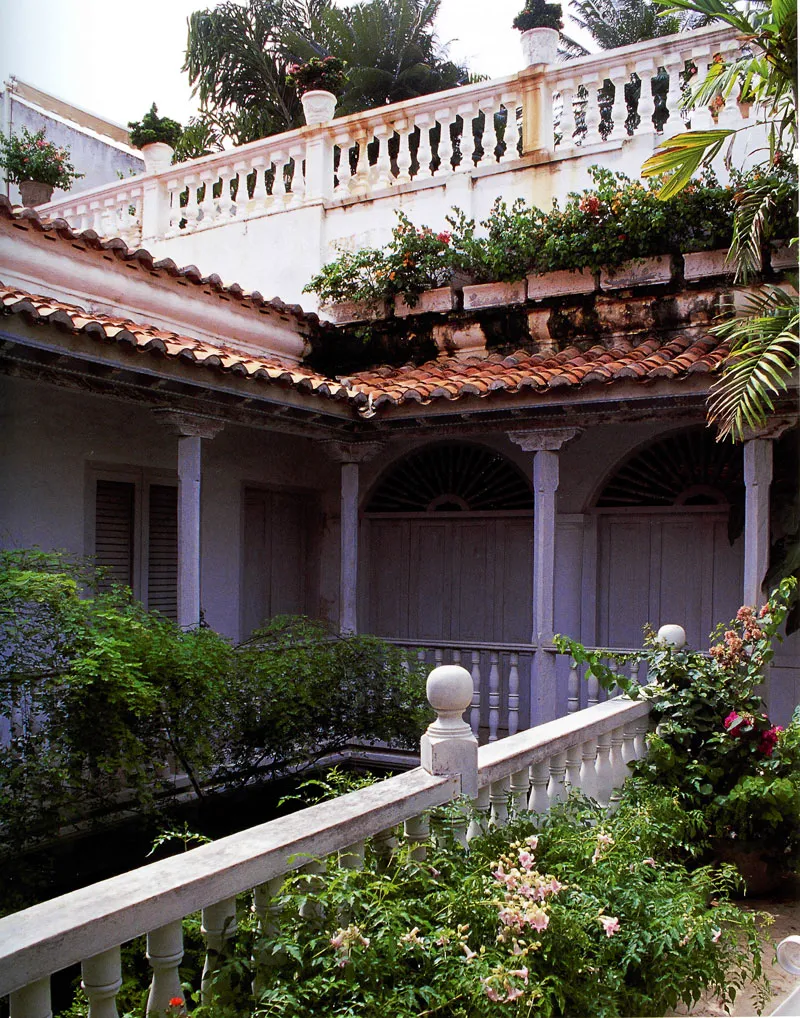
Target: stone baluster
267, 908
619, 77
101, 978
572, 776
443, 119
438, 656
629, 744
573, 688
467, 112
111, 217
344, 173
494, 695
519, 787
459, 825
385, 845
84, 220
540, 775
475, 706
417, 831
207, 205
352, 857
404, 128
588, 775
485, 140
165, 954
646, 69
96, 217
604, 773
191, 211
226, 203
511, 132
513, 693
218, 929
424, 122
32, 1001
673, 65
479, 822
312, 910
456, 656
567, 125
360, 182
261, 199
279, 195
619, 768
556, 790
498, 798
383, 168
175, 212
296, 153
640, 727
592, 110
592, 690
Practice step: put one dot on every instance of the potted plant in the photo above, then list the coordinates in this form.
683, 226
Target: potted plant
36, 165
318, 81
156, 136
540, 24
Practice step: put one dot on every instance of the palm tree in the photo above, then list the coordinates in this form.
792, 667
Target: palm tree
237, 58
614, 23
390, 49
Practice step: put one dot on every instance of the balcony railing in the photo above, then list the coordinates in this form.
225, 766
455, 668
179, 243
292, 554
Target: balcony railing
588, 749
558, 112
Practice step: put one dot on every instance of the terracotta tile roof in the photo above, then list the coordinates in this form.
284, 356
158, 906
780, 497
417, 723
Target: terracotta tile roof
164, 267
676, 358
446, 379
147, 339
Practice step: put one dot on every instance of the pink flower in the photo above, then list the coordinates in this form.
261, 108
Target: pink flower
539, 920
526, 860
769, 740
650, 861
520, 974
717, 935
610, 924
514, 992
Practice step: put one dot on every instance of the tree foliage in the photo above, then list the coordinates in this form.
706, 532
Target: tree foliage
614, 23
237, 57
109, 704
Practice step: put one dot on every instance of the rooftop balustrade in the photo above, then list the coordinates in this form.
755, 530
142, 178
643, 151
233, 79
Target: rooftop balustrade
587, 749
339, 182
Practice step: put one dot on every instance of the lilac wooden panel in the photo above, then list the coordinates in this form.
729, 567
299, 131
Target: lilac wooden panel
430, 576
623, 580
388, 578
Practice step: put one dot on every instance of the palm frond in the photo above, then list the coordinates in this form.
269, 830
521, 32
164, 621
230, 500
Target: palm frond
682, 156
765, 352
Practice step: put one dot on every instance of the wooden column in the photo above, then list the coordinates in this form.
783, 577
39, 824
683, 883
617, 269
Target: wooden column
191, 430
350, 456
545, 446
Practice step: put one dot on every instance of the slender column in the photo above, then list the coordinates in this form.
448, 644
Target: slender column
349, 456
545, 446
757, 479
165, 954
191, 429
32, 1001
101, 980
218, 929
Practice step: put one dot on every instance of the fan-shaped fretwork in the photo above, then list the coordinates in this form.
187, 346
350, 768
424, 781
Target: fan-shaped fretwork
689, 468
451, 477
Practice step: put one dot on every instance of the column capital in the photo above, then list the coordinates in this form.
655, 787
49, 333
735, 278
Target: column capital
547, 439
188, 425
772, 428
352, 452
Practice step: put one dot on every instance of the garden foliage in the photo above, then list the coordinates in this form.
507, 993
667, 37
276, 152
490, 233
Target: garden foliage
108, 701
30, 156
714, 745
615, 220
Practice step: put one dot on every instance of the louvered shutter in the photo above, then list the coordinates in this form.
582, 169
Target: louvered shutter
162, 558
114, 522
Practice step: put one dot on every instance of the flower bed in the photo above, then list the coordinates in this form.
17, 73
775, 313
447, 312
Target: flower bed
617, 223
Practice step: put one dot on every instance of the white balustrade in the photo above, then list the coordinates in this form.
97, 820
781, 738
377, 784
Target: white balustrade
534, 768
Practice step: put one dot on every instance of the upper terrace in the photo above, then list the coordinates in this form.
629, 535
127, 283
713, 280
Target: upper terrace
531, 135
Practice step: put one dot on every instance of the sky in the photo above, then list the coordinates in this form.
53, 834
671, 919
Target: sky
115, 59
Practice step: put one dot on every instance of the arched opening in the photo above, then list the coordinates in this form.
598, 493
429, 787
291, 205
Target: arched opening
447, 534
669, 525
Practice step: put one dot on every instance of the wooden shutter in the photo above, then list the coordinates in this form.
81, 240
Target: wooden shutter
114, 522
162, 557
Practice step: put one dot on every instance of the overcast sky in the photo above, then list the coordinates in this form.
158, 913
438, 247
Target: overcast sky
115, 58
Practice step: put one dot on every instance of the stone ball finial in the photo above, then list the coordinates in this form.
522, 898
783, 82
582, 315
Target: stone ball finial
672, 636
449, 690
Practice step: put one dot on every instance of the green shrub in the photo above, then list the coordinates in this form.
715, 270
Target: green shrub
152, 129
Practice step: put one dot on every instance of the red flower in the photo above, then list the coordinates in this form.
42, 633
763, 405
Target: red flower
443, 237
768, 740
590, 205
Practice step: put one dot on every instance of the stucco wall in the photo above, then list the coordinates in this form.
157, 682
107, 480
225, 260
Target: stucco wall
102, 161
